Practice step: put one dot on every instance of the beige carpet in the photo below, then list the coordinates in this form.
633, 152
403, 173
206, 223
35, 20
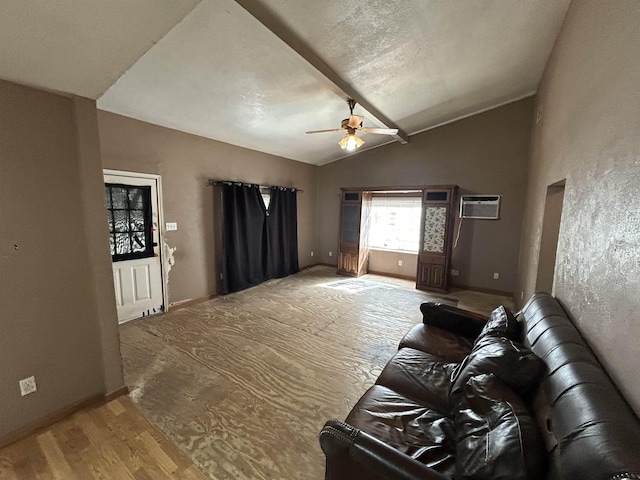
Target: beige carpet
244, 383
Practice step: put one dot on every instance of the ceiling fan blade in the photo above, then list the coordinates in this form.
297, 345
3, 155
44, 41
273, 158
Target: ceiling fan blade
355, 121
380, 131
324, 131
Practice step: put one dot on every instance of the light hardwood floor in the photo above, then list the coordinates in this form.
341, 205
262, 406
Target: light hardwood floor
243, 383
113, 441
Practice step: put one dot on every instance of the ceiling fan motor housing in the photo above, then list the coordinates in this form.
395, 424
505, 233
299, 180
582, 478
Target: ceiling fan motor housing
352, 122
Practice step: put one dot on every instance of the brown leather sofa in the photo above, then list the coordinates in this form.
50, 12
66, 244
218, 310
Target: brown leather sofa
500, 398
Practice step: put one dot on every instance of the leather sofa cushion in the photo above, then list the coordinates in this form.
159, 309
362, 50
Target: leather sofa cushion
454, 319
445, 345
502, 323
407, 425
419, 375
513, 363
497, 436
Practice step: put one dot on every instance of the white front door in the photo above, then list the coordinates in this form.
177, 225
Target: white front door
133, 214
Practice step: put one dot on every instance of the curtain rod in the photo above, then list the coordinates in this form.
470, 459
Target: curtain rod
212, 182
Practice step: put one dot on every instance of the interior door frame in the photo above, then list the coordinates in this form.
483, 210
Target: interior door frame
158, 180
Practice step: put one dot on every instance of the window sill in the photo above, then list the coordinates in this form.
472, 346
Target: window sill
389, 250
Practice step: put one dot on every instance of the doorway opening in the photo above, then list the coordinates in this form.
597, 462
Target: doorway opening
135, 239
549, 240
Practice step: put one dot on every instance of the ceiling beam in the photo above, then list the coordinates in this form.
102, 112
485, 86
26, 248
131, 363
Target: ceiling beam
293, 41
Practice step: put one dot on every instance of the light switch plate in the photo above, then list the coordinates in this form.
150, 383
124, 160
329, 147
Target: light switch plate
172, 226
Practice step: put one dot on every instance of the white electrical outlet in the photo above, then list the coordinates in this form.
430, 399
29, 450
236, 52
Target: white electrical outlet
496, 276
331, 254
312, 254
28, 385
171, 226
454, 272
399, 263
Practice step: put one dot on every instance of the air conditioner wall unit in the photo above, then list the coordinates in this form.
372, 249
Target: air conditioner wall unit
480, 207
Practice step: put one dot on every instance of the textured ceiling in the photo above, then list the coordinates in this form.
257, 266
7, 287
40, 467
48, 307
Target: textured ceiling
80, 46
221, 73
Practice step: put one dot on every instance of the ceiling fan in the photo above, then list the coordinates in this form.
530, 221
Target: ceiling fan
353, 124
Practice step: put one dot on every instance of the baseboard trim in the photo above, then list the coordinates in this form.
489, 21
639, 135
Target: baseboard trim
483, 290
50, 419
320, 264
393, 275
192, 302
307, 267
118, 393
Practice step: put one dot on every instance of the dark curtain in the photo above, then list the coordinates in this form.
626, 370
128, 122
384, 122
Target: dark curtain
244, 234
282, 229
258, 244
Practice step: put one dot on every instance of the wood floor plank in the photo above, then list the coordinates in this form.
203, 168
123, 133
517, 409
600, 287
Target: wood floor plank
190, 473
7, 469
27, 459
55, 458
115, 467
157, 453
116, 407
94, 434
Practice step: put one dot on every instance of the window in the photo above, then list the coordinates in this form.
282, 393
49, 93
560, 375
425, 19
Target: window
129, 216
395, 222
266, 197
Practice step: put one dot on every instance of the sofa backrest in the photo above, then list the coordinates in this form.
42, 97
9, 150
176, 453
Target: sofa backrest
590, 430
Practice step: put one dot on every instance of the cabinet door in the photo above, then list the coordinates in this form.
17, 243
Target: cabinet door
350, 231
431, 276
435, 242
353, 249
348, 263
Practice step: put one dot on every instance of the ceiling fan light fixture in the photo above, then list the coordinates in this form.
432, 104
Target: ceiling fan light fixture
350, 142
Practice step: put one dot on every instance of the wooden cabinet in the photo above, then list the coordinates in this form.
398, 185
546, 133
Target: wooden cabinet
434, 256
353, 249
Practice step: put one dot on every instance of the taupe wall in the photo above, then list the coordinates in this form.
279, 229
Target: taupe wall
55, 324
589, 133
386, 261
185, 163
486, 153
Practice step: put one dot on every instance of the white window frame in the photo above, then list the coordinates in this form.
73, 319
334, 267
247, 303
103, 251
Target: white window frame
409, 227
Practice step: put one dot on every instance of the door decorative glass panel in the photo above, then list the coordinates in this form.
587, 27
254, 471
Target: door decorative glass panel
130, 223
435, 222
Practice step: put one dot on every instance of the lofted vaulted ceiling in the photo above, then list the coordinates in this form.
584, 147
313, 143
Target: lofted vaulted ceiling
259, 73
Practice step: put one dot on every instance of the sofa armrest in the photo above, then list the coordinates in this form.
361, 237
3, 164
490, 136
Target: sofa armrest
453, 319
352, 453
